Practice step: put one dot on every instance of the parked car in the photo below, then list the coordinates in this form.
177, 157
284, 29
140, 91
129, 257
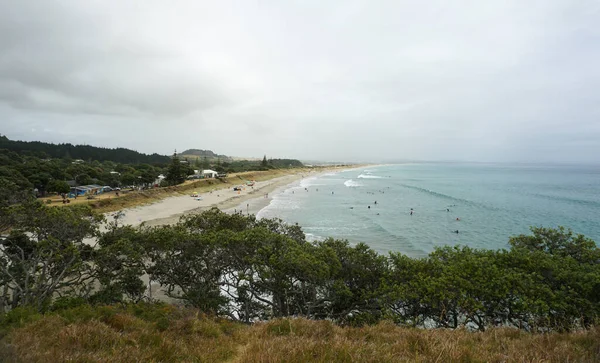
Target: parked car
237, 188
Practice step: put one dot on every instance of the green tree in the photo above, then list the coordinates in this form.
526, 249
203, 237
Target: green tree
264, 161
119, 265
176, 173
45, 253
189, 266
58, 186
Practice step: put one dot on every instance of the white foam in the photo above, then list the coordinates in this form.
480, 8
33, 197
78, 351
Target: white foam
352, 184
368, 176
309, 182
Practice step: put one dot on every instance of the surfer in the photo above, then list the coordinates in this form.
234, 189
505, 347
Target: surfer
447, 209
456, 231
458, 219
375, 202
369, 207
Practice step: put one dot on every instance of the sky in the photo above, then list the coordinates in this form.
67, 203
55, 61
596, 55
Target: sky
366, 81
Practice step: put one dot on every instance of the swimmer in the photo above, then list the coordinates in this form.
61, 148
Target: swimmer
456, 231
458, 219
369, 207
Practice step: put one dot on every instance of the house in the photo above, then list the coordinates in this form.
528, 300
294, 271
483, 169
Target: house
209, 173
159, 179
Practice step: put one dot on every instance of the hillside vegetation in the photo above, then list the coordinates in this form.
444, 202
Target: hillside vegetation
62, 298
164, 333
83, 152
204, 154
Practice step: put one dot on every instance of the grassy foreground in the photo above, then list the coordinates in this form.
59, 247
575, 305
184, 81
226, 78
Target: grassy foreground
164, 333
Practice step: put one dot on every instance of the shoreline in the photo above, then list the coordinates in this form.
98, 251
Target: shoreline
251, 199
255, 205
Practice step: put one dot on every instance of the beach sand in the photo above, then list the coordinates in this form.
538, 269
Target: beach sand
169, 210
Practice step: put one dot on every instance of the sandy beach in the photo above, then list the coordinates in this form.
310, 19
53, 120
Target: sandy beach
169, 210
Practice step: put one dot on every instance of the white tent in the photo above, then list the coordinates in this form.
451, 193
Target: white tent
209, 173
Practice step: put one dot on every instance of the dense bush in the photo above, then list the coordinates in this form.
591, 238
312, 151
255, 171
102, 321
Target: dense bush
246, 269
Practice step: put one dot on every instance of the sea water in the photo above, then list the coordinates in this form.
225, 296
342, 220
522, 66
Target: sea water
485, 203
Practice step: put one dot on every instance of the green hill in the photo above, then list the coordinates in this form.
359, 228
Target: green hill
208, 154
83, 152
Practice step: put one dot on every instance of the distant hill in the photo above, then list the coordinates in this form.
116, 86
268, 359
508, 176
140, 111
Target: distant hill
208, 154
83, 152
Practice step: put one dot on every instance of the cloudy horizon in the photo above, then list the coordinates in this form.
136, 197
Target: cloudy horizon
497, 81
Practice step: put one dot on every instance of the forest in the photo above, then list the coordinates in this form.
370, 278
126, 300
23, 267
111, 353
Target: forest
84, 152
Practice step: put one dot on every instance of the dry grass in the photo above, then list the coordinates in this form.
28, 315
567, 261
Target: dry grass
183, 336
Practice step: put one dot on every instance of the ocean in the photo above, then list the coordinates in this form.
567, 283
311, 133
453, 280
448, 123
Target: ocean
491, 201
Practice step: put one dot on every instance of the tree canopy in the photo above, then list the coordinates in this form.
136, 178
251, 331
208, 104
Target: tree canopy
247, 269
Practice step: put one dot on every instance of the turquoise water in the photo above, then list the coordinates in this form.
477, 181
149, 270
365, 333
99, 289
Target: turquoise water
492, 202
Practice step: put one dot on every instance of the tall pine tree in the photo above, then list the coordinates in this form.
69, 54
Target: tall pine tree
176, 173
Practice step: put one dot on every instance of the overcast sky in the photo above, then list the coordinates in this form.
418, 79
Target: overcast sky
493, 80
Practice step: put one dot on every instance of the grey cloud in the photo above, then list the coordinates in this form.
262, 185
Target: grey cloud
353, 80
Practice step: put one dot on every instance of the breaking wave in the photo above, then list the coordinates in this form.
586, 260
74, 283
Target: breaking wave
368, 176
352, 184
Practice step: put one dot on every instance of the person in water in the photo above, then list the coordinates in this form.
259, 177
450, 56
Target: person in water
369, 207
458, 219
456, 231
447, 209
375, 202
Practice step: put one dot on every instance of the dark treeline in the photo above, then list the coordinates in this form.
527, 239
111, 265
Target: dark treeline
25, 166
83, 152
248, 269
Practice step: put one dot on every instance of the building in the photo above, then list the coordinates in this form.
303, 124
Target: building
159, 179
91, 189
209, 173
